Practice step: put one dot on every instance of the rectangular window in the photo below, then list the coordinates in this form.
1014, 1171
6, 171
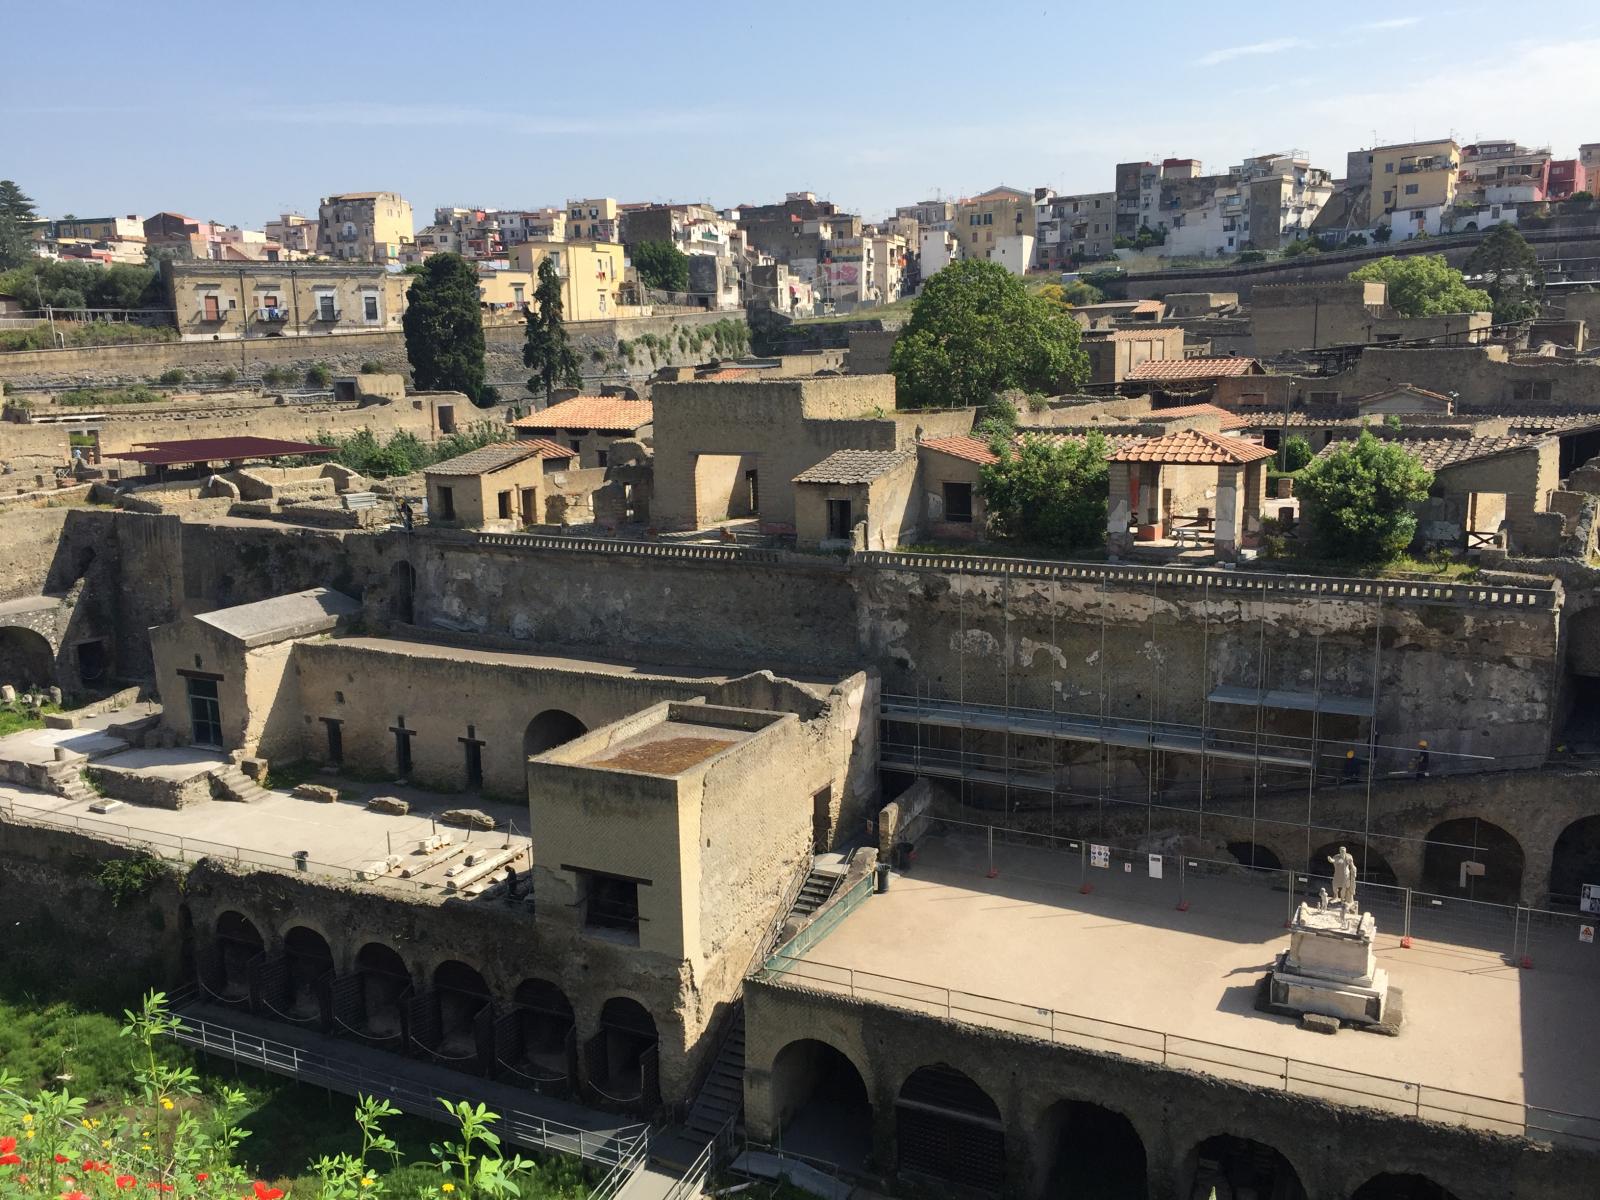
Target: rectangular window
504, 502
213, 310
370, 308
599, 458
205, 713
838, 519
447, 503
958, 503
610, 902
1388, 168
1411, 189
325, 309
1532, 389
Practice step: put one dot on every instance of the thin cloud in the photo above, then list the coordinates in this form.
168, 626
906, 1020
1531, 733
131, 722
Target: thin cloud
1391, 23
1232, 52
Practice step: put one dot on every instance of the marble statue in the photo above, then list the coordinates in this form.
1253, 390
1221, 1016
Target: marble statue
1344, 876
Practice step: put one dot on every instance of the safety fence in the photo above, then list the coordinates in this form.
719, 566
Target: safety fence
173, 847
827, 920
1272, 1071
1517, 934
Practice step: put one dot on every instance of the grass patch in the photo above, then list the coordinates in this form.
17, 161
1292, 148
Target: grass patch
92, 333
14, 718
105, 397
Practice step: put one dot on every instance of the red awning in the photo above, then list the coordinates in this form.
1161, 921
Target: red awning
200, 450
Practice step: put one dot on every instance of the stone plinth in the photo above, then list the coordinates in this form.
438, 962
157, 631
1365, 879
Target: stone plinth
1329, 969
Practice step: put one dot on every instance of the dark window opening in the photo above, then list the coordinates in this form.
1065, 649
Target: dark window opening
504, 501
205, 714
91, 661
839, 518
609, 902
958, 502
335, 741
447, 504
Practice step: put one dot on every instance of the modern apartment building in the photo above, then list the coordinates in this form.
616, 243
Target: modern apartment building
591, 274
364, 227
594, 220
982, 220
1073, 229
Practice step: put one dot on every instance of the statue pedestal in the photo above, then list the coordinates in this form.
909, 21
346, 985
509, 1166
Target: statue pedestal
1329, 968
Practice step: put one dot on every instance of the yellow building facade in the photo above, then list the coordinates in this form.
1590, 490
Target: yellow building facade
591, 273
998, 213
1414, 175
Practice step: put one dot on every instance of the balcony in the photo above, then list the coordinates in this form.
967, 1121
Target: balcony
327, 315
272, 316
212, 317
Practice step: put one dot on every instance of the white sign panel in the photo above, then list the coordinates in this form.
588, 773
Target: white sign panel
1100, 856
1589, 902
1586, 934
1155, 866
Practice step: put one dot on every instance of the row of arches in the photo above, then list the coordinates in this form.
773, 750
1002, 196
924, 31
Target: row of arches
946, 1128
451, 1016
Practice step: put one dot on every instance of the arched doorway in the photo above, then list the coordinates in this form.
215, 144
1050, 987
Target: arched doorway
1576, 861
309, 962
1471, 840
1236, 1167
403, 592
1371, 866
542, 1049
26, 659
946, 1126
1251, 854
238, 944
384, 980
1092, 1153
461, 995
622, 1055
550, 729
820, 1104
1402, 1187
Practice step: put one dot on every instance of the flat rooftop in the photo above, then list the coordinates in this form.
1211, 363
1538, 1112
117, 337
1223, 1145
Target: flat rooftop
669, 747
1122, 970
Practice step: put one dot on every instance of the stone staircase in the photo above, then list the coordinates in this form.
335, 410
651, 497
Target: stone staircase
230, 783
66, 779
820, 884
721, 1096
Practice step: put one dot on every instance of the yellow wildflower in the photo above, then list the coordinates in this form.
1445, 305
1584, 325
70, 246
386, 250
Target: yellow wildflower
367, 1182
448, 1187
29, 1135
166, 1103
27, 1118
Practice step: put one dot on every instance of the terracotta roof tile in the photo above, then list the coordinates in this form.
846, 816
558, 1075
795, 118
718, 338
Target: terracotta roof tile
1193, 447
963, 445
1404, 387
1230, 420
494, 457
855, 466
723, 374
590, 412
1438, 453
1193, 368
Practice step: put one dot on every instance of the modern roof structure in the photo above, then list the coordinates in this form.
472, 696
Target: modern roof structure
497, 456
855, 466
227, 449
1163, 369
298, 614
590, 412
1191, 447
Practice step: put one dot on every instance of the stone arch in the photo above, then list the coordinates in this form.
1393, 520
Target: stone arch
949, 1128
461, 994
545, 1030
309, 961
1371, 866
27, 659
1402, 1187
623, 1066
403, 592
1086, 1149
385, 980
1229, 1164
820, 1103
1254, 854
1575, 861
1451, 843
550, 729
238, 943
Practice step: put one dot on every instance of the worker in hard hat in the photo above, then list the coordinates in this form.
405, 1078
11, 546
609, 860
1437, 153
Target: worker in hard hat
1422, 759
1349, 766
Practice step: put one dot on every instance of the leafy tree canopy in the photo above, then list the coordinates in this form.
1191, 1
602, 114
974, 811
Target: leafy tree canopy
1296, 453
17, 216
1047, 494
976, 331
1510, 272
1423, 285
444, 329
64, 284
661, 266
1359, 496
546, 349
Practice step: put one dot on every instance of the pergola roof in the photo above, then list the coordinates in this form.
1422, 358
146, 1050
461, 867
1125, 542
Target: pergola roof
1193, 447
203, 450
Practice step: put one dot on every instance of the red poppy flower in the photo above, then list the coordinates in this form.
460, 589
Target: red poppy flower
61, 1158
124, 1182
89, 1164
263, 1192
201, 1177
7, 1145
8, 1152
73, 1196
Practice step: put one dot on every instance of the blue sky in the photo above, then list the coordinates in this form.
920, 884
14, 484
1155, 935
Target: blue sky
236, 112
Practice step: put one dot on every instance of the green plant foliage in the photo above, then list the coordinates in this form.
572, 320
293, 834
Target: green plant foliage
16, 219
1510, 272
1296, 453
661, 266
977, 331
1358, 496
1049, 495
227, 377
126, 879
174, 376
277, 376
319, 375
371, 368
104, 397
1423, 285
546, 349
404, 453
444, 329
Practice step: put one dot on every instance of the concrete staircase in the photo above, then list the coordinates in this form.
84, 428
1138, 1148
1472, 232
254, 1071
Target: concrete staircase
820, 884
66, 779
722, 1094
233, 784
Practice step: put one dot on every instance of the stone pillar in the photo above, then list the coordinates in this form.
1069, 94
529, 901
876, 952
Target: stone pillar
1537, 861
1118, 511
1228, 512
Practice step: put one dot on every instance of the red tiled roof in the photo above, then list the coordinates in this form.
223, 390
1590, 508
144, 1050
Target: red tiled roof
497, 456
723, 374
1230, 420
589, 412
200, 450
1193, 447
548, 449
963, 445
1193, 368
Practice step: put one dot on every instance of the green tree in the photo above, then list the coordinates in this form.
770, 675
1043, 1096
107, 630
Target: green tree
1049, 494
1296, 453
546, 350
661, 266
1510, 273
1423, 285
17, 217
444, 331
977, 331
1359, 496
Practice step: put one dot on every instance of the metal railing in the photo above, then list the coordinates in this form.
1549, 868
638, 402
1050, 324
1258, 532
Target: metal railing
1277, 1072
827, 920
716, 1152
615, 1148
177, 848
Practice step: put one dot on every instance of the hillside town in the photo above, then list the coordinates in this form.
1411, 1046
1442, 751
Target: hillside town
1019, 694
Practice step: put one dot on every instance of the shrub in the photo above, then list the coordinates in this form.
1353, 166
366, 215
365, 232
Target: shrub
371, 368
276, 376
174, 376
227, 377
102, 397
1296, 453
1252, 256
126, 879
319, 375
1359, 496
1051, 495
